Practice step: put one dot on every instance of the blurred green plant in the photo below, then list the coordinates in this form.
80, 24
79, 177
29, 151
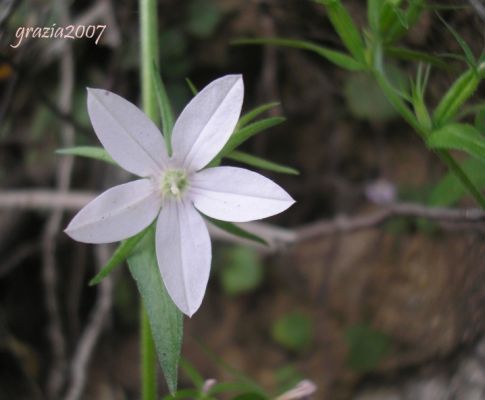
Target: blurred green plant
370, 50
367, 347
241, 270
293, 331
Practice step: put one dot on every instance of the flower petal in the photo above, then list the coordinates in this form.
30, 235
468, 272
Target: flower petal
184, 254
116, 214
205, 124
237, 195
129, 136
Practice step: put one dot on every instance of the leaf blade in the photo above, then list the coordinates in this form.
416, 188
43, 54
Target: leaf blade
261, 163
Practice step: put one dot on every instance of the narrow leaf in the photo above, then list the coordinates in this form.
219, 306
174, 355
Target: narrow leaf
260, 163
459, 92
98, 153
250, 115
414, 55
121, 254
233, 229
165, 107
191, 86
243, 134
345, 27
449, 189
459, 136
338, 58
464, 46
165, 319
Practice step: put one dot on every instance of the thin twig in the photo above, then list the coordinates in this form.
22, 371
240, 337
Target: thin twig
89, 337
56, 376
277, 237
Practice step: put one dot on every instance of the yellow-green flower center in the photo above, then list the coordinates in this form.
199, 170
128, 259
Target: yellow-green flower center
174, 182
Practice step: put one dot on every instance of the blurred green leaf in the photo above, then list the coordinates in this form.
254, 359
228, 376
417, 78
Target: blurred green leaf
233, 229
287, 377
293, 331
97, 153
250, 396
470, 58
165, 318
258, 162
366, 100
479, 121
203, 18
191, 86
459, 136
241, 270
367, 347
449, 190
336, 57
414, 55
122, 252
255, 112
243, 134
191, 372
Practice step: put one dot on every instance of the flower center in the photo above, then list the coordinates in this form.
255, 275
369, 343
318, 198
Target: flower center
174, 182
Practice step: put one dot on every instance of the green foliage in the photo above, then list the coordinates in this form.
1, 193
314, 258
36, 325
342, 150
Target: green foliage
336, 57
459, 136
293, 331
165, 318
371, 106
367, 347
261, 163
120, 255
97, 153
233, 229
287, 377
255, 112
241, 270
203, 18
248, 131
449, 190
165, 108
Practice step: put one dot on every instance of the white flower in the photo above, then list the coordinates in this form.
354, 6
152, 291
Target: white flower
175, 188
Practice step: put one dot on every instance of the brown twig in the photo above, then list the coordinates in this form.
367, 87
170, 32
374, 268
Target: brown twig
56, 375
89, 337
277, 237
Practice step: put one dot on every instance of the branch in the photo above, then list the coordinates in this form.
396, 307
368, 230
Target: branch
277, 237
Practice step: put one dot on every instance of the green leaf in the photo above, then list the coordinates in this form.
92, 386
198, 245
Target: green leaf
449, 190
250, 396
293, 331
346, 28
255, 112
258, 162
97, 153
336, 57
166, 113
243, 134
194, 376
229, 227
459, 136
470, 58
374, 9
191, 86
374, 105
226, 387
121, 254
367, 347
165, 318
415, 55
459, 92
189, 394
241, 270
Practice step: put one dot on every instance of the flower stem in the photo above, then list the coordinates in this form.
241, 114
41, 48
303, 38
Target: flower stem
149, 55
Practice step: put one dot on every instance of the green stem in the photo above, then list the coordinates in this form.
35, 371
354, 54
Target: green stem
149, 55
148, 359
